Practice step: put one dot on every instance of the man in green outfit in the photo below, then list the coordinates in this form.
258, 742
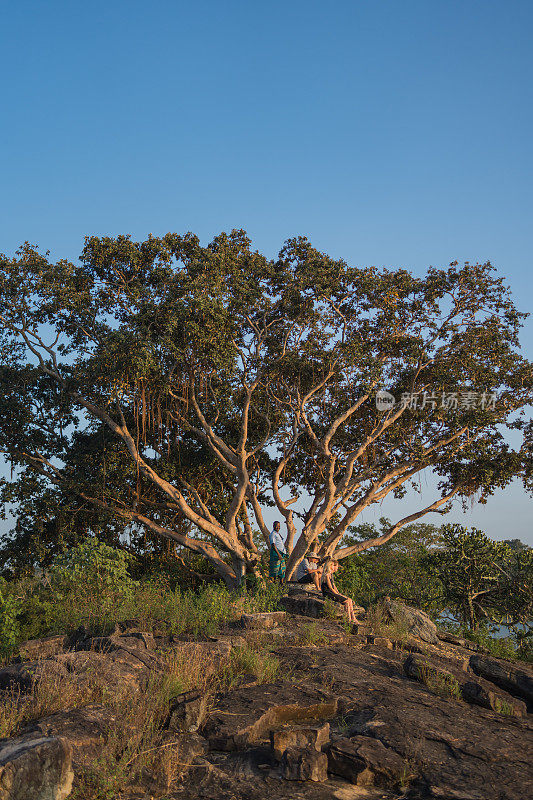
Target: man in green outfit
278, 554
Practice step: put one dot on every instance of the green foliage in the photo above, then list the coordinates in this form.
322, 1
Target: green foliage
95, 570
90, 584
498, 646
449, 570
248, 660
312, 634
198, 613
397, 568
142, 385
476, 575
263, 596
488, 638
10, 607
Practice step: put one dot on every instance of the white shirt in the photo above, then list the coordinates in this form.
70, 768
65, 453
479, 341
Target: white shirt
275, 539
303, 569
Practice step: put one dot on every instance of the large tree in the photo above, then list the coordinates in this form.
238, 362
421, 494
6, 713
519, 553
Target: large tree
182, 388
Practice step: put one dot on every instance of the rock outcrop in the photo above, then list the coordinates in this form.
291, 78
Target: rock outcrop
419, 717
418, 623
367, 762
35, 768
515, 680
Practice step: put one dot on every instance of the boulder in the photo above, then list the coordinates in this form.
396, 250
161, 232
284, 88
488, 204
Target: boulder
477, 694
367, 762
305, 604
450, 638
263, 620
295, 589
304, 764
246, 715
35, 649
361, 629
125, 647
421, 670
35, 769
447, 683
515, 680
173, 759
209, 654
417, 622
379, 641
85, 729
189, 747
312, 736
187, 712
117, 670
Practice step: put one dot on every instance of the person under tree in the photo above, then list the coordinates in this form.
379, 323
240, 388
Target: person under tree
278, 554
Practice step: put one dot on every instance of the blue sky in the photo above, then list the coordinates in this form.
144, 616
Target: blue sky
390, 133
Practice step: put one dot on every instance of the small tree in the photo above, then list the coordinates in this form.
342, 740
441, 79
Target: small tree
471, 569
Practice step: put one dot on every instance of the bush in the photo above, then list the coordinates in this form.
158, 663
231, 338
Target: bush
10, 607
95, 571
90, 585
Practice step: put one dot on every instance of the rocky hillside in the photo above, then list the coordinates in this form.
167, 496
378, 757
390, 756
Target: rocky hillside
279, 705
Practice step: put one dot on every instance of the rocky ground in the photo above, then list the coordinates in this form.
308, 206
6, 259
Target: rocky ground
348, 715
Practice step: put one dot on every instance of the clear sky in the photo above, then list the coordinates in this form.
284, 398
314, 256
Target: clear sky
390, 133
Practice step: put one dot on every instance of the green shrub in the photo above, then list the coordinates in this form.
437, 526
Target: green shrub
10, 607
95, 571
500, 647
90, 585
312, 634
263, 597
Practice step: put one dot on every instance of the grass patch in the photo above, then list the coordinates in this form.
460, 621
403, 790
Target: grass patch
91, 585
311, 634
263, 598
11, 713
247, 660
382, 625
441, 683
332, 609
43, 611
504, 708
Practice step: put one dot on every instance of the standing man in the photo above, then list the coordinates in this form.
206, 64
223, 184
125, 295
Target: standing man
278, 555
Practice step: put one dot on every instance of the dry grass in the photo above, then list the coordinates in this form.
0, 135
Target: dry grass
311, 634
49, 693
137, 747
11, 713
188, 668
135, 743
381, 624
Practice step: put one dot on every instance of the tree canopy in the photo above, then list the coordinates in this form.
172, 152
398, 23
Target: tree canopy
181, 389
